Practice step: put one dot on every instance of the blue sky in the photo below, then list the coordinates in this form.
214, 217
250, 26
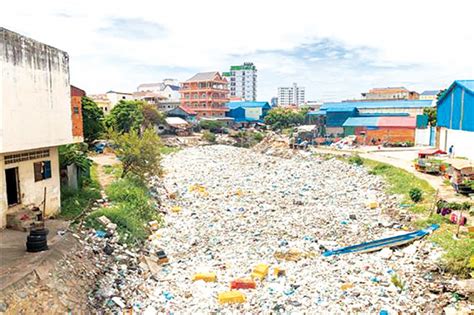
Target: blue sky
336, 49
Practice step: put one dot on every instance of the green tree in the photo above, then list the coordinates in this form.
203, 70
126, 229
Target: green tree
139, 153
92, 119
279, 118
211, 125
126, 116
151, 116
75, 154
431, 113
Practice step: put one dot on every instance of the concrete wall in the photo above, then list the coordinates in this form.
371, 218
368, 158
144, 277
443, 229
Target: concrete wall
35, 108
463, 142
422, 136
31, 192
390, 135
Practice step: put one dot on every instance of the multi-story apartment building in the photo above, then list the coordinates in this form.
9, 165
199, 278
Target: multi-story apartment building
390, 93
35, 118
292, 95
242, 81
206, 93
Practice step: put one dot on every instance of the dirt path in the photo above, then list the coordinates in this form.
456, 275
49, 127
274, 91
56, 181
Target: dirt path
404, 160
102, 160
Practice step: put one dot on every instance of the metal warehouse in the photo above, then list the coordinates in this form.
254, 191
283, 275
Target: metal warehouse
455, 119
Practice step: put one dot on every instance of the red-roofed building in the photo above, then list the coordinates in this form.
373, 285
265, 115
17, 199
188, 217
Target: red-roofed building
206, 94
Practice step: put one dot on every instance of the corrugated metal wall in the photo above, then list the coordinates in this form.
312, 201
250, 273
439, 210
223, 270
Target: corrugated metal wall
456, 110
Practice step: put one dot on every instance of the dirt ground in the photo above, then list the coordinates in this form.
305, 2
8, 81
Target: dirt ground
102, 160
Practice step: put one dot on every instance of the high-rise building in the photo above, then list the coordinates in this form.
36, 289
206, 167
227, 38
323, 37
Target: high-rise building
206, 94
242, 81
293, 95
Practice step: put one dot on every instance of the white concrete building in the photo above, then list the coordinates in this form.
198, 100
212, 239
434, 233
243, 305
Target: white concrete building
429, 95
293, 95
107, 101
168, 89
35, 118
242, 82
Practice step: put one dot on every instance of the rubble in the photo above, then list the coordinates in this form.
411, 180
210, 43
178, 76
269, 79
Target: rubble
238, 218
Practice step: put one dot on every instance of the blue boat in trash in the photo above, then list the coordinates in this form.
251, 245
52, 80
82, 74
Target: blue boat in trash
393, 241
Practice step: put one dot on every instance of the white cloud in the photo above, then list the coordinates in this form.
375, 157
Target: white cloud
420, 44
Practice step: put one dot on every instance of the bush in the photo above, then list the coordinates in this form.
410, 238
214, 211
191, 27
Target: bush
209, 136
280, 118
73, 202
416, 194
132, 208
258, 136
356, 159
139, 153
212, 125
134, 195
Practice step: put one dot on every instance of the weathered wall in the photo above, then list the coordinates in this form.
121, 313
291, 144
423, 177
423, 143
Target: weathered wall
76, 111
35, 109
390, 135
31, 192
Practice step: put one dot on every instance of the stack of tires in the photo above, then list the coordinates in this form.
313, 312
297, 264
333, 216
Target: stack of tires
37, 241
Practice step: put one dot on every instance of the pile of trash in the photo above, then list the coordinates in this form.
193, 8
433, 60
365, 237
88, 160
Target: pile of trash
276, 145
244, 232
345, 143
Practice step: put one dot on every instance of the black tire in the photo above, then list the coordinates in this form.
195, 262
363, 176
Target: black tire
35, 238
36, 244
39, 232
35, 250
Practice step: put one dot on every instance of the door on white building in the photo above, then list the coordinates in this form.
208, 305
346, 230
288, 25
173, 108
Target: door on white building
13, 186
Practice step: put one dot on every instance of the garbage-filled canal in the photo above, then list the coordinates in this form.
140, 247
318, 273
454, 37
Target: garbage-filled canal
237, 214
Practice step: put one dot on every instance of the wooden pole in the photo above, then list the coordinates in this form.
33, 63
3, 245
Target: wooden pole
435, 202
459, 222
44, 205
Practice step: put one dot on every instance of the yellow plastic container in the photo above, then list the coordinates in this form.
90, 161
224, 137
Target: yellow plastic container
176, 209
471, 262
279, 272
347, 286
206, 276
260, 271
233, 296
373, 204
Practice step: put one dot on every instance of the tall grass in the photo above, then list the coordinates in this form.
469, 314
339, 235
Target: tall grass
73, 202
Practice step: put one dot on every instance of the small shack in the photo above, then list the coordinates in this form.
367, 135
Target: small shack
183, 112
178, 126
461, 174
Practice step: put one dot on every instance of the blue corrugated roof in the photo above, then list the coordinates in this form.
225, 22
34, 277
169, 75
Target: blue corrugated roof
317, 112
341, 109
430, 92
468, 85
174, 87
379, 104
233, 105
361, 122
